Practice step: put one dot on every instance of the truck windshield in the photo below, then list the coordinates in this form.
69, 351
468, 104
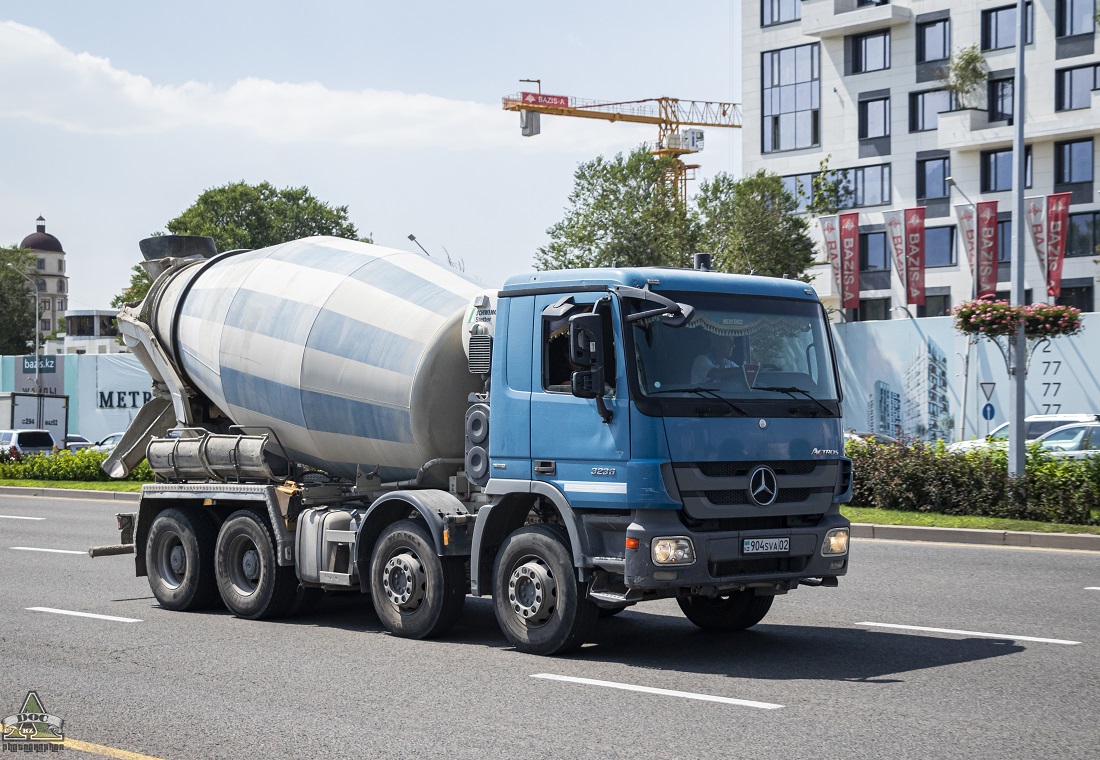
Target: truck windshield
741, 348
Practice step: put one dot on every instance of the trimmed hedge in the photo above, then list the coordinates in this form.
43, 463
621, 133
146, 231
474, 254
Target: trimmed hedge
82, 464
922, 477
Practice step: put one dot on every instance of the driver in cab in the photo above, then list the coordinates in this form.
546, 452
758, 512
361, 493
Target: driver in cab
717, 356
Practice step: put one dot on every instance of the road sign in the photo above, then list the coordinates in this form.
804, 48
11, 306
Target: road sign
988, 411
987, 389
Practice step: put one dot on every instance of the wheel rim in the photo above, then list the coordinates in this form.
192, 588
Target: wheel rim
245, 569
532, 591
404, 581
171, 559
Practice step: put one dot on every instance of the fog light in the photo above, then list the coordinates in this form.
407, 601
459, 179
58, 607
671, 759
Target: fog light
674, 550
836, 542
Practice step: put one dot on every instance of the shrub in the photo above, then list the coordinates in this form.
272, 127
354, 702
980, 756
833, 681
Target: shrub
924, 477
80, 465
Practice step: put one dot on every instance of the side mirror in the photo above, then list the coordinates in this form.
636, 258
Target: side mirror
588, 384
586, 340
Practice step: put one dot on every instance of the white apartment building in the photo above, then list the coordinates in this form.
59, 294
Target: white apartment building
861, 83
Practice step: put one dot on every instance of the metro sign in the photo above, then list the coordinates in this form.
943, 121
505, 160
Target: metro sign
538, 99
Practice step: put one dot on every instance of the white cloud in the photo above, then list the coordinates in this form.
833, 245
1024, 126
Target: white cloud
46, 83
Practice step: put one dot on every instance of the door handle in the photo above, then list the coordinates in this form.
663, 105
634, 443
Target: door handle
545, 467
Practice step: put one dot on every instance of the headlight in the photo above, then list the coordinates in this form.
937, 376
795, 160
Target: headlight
675, 550
836, 542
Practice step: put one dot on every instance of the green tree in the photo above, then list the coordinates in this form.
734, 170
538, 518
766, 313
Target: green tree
16, 302
623, 212
240, 215
830, 192
966, 74
752, 225
139, 286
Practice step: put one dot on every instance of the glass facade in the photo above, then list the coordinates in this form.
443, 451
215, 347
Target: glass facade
791, 98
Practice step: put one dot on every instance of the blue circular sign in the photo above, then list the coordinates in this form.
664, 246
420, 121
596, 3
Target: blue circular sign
987, 412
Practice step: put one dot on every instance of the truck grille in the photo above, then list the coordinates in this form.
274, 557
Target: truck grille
720, 490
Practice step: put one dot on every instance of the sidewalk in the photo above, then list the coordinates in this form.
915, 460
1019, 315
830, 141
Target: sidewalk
1078, 541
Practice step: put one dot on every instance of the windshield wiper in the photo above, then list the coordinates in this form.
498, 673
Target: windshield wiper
704, 393
790, 391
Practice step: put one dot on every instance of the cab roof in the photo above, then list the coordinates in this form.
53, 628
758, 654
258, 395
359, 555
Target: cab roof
659, 279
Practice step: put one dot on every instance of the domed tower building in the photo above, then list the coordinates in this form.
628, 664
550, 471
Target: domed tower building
49, 275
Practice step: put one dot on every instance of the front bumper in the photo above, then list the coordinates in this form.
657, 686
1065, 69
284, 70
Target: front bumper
720, 561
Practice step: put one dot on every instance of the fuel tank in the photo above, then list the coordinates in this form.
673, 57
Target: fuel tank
350, 353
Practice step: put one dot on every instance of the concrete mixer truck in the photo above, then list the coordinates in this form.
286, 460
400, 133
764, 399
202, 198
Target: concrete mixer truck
330, 415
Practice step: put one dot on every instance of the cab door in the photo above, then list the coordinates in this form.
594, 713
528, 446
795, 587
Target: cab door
572, 448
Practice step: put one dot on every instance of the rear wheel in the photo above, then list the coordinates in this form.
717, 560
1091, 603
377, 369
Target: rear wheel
179, 558
416, 593
540, 605
736, 612
251, 582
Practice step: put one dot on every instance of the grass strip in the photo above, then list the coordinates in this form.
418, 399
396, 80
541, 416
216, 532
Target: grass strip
933, 520
91, 485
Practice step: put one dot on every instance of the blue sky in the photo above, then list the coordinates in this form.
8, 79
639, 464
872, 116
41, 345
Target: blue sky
116, 116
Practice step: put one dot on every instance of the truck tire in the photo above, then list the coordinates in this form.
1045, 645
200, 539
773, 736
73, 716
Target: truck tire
736, 612
540, 605
179, 557
416, 593
251, 582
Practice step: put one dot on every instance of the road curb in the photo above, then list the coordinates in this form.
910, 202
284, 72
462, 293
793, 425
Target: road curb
1080, 541
75, 493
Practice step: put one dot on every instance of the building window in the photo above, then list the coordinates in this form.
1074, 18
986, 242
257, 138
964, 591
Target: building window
41, 264
1074, 17
61, 304
46, 325
60, 286
1073, 162
1084, 234
41, 286
1080, 298
61, 265
934, 41
792, 98
870, 185
932, 174
925, 108
935, 306
997, 170
872, 252
1073, 87
874, 118
1000, 99
999, 27
939, 246
872, 309
1004, 240
46, 304
779, 11
871, 52
801, 188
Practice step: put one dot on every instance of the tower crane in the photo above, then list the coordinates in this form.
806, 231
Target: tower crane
669, 114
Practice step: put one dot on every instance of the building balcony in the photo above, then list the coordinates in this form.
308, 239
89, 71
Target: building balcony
836, 18
970, 130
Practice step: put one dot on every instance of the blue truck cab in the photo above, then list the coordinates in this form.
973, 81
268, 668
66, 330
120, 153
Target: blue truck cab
683, 429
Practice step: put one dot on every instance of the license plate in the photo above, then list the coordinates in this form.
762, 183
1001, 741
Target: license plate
765, 545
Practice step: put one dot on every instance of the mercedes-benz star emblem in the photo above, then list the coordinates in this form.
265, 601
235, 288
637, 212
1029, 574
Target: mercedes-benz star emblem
763, 486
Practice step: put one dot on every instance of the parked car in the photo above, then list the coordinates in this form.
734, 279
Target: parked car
26, 442
74, 441
869, 437
108, 443
1035, 425
1077, 441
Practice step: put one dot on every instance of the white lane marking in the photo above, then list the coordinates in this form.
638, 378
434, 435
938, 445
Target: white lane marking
662, 692
970, 633
84, 614
18, 517
1092, 588
53, 551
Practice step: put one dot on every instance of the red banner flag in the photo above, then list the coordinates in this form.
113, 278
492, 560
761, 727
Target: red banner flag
849, 260
1057, 230
914, 255
830, 231
987, 249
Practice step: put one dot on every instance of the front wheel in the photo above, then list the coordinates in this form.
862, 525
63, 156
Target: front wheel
540, 605
416, 593
251, 582
736, 612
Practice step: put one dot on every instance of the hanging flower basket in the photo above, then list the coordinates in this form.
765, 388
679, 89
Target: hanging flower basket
995, 319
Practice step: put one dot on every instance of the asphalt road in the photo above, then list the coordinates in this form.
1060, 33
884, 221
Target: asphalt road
823, 676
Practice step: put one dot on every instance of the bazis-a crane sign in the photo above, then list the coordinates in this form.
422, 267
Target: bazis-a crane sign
669, 114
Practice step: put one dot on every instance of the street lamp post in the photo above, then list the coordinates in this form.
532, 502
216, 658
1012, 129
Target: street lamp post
973, 295
1017, 370
34, 287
